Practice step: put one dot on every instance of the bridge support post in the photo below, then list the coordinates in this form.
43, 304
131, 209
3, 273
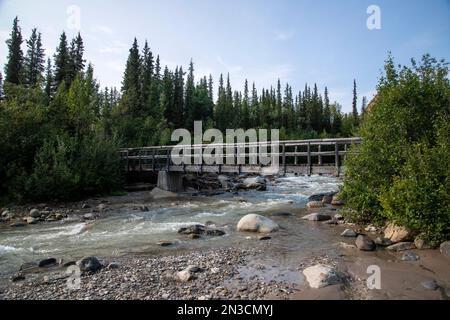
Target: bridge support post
170, 181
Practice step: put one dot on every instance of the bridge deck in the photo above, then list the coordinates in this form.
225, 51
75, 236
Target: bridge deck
303, 157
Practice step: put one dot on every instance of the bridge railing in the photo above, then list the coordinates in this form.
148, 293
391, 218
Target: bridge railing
303, 156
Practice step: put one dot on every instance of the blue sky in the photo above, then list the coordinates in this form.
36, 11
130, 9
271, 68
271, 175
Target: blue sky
326, 42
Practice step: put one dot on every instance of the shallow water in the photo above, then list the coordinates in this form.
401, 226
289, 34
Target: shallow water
128, 231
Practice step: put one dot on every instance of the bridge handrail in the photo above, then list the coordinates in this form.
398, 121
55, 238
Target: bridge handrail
286, 143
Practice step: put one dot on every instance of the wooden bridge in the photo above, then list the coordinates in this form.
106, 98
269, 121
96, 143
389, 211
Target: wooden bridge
300, 157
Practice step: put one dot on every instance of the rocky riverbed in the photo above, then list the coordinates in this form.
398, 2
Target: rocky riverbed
283, 238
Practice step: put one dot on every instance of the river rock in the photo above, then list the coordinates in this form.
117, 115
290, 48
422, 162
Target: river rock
339, 216
349, 233
402, 246
5, 214
47, 263
17, 278
199, 229
320, 276
430, 285
31, 220
410, 256
88, 216
397, 233
315, 204
113, 265
364, 243
17, 224
281, 214
327, 199
422, 244
193, 269
347, 246
89, 264
337, 202
383, 242
257, 223
445, 249
102, 207
319, 197
258, 183
165, 243
317, 217
184, 276
85, 206
158, 194
35, 213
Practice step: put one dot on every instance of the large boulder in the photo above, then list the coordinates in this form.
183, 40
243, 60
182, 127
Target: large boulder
317, 217
364, 243
35, 213
397, 233
445, 249
89, 264
320, 276
257, 223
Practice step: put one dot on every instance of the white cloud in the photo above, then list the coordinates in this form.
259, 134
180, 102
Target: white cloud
283, 35
116, 47
103, 29
229, 68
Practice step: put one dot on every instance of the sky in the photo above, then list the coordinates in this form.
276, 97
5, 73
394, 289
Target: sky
327, 42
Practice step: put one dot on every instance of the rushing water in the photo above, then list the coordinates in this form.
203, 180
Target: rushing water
128, 231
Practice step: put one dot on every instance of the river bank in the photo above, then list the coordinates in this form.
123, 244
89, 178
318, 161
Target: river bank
137, 242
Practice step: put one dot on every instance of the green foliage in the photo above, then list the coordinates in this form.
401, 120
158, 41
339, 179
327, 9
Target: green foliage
400, 172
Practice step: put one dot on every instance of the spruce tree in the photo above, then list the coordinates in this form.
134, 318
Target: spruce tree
34, 60
245, 117
192, 112
167, 96
1, 86
131, 84
355, 106
14, 64
147, 75
76, 55
326, 112
49, 89
63, 70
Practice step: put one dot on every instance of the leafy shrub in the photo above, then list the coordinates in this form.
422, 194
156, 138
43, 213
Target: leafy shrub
400, 171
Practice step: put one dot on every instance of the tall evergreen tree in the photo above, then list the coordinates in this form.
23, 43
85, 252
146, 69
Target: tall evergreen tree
1, 86
326, 112
191, 109
49, 89
34, 60
245, 117
14, 64
131, 84
76, 55
355, 105
63, 67
147, 75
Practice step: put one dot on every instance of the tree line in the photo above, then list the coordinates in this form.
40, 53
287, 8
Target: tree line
60, 131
